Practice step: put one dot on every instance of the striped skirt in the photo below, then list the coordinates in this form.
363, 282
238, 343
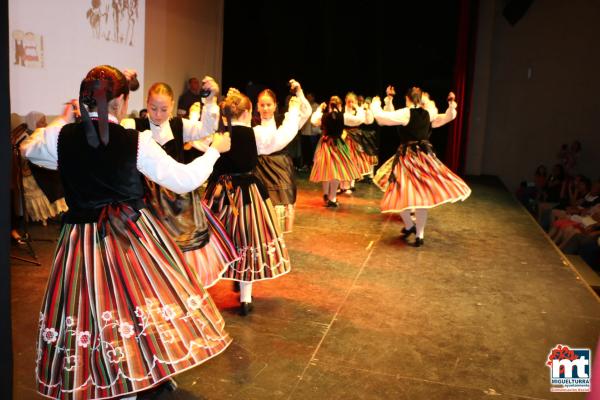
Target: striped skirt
122, 311
333, 161
211, 261
421, 180
360, 159
253, 227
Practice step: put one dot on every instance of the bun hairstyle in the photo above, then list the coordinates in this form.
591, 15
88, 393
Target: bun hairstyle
161, 88
101, 85
414, 94
234, 105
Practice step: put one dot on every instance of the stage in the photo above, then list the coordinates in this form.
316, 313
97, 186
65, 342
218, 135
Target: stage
472, 314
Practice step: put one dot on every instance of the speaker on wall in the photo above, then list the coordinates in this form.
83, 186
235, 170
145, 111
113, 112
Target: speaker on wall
515, 9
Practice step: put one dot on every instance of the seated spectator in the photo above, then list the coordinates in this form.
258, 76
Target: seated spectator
43, 192
143, 113
551, 195
189, 97
584, 217
530, 193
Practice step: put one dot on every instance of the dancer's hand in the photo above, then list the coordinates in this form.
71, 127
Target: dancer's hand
71, 111
294, 87
221, 142
451, 97
208, 83
323, 106
390, 91
376, 102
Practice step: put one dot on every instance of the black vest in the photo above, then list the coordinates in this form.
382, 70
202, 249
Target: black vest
93, 178
418, 127
242, 157
332, 124
173, 147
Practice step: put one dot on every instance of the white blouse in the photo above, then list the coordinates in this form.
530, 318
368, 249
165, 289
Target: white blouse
41, 148
192, 130
350, 119
389, 116
272, 138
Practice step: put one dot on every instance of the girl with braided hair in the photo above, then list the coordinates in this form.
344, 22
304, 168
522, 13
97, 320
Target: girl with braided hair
240, 200
123, 312
333, 161
415, 180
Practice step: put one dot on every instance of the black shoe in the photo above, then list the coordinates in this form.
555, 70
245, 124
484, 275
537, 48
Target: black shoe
352, 189
325, 198
236, 286
419, 242
332, 204
245, 308
407, 232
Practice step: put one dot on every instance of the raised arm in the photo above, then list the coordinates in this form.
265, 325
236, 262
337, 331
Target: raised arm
41, 148
209, 123
442, 119
389, 118
209, 117
270, 141
354, 120
159, 167
305, 108
315, 119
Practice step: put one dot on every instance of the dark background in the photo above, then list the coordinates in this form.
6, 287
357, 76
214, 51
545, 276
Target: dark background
332, 47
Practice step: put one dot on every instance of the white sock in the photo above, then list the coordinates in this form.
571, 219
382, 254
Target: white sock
326, 188
407, 219
245, 292
421, 220
333, 186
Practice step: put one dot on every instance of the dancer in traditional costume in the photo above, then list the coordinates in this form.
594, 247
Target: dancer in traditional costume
333, 162
354, 117
276, 170
415, 180
239, 199
202, 238
123, 312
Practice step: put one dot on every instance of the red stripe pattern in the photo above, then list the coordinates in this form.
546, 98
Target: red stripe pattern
421, 181
253, 227
361, 160
333, 161
210, 262
122, 312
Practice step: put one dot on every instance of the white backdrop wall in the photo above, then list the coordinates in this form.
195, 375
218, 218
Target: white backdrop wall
53, 44
536, 87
